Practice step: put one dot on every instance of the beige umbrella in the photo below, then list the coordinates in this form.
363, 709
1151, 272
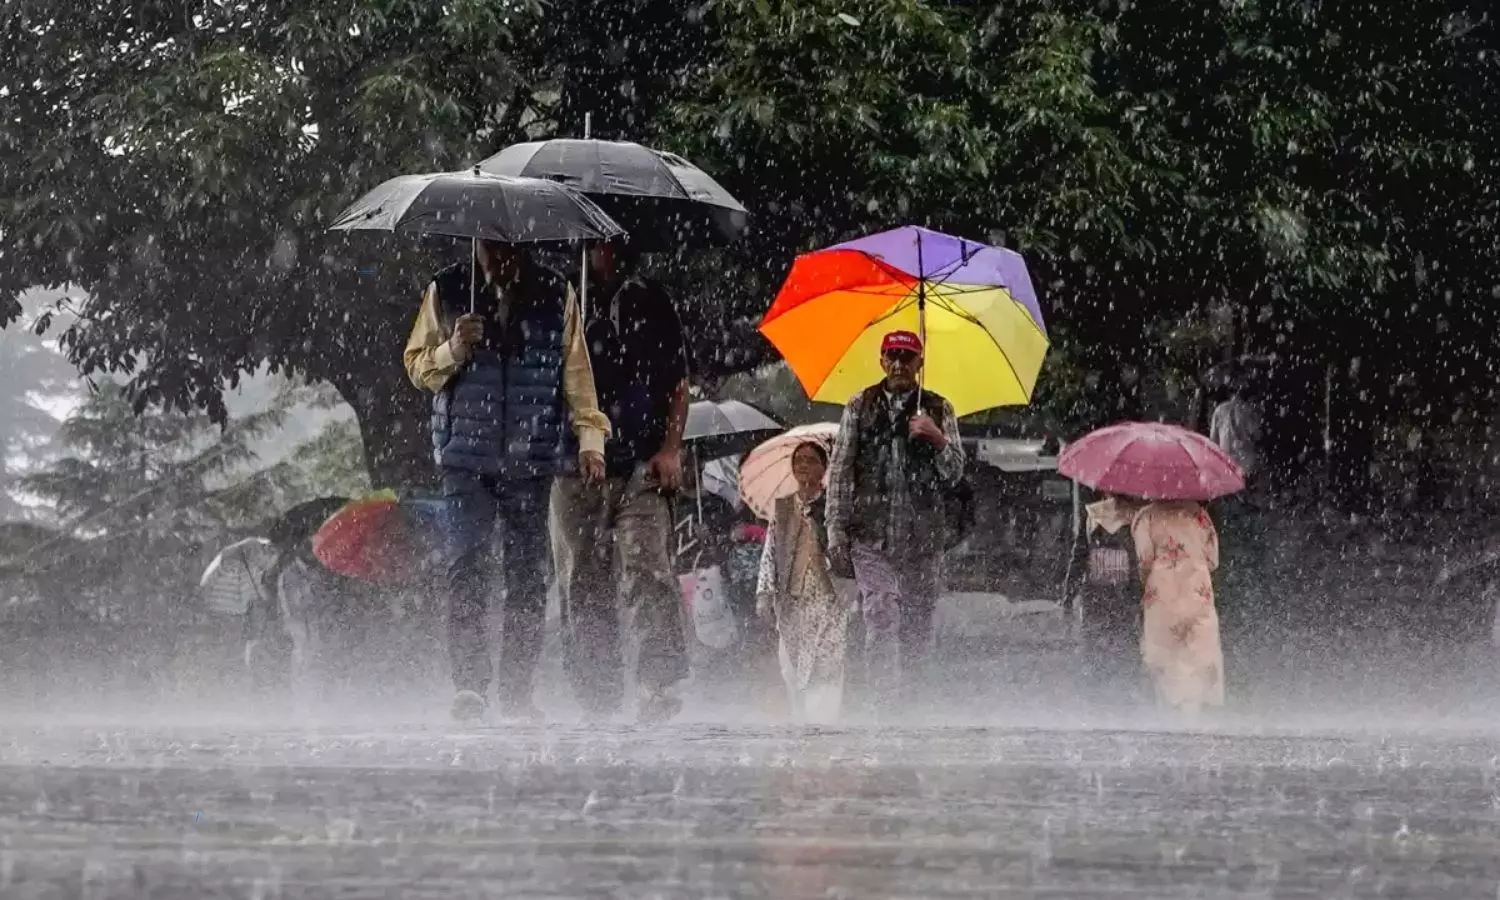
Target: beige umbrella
766, 474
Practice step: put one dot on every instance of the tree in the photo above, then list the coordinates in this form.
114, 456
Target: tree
143, 496
32, 375
329, 464
1312, 168
229, 137
1300, 166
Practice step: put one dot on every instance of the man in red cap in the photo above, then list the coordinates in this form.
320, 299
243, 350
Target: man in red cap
895, 467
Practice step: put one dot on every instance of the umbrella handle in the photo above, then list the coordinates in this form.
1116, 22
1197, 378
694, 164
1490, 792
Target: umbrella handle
697, 467
583, 277
583, 284
473, 275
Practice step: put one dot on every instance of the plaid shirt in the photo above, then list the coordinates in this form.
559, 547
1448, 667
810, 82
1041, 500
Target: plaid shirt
900, 512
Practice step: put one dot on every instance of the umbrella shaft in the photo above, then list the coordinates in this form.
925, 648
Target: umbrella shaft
921, 317
583, 277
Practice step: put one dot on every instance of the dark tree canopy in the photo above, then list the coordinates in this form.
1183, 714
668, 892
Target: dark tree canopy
179, 168
1322, 172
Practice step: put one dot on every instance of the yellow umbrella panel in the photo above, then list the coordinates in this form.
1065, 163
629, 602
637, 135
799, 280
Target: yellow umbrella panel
983, 348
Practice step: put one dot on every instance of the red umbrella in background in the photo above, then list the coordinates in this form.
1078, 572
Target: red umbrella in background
1153, 461
369, 539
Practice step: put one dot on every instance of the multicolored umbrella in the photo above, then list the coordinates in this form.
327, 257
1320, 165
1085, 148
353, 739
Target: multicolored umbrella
1153, 461
766, 474
973, 305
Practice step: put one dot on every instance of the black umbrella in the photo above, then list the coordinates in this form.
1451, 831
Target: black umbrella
729, 428
298, 524
663, 200
479, 206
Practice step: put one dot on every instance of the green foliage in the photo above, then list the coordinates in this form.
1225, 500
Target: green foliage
1323, 171
332, 464
148, 498
1326, 170
143, 497
202, 155
32, 373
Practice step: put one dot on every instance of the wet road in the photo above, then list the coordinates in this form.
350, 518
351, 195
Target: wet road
700, 811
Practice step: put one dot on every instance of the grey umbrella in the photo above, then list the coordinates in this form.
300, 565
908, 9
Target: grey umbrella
663, 200
727, 428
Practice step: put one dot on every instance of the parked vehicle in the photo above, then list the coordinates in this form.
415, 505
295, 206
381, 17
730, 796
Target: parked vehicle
1007, 583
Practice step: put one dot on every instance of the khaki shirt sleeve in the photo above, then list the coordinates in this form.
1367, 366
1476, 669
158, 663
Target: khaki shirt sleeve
589, 424
428, 358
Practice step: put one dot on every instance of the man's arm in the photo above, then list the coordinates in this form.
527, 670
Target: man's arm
589, 424
951, 459
428, 359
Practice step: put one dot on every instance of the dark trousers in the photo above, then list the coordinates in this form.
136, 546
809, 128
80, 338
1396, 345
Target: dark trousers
475, 504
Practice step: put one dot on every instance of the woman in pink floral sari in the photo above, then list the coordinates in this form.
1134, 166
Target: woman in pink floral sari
1177, 550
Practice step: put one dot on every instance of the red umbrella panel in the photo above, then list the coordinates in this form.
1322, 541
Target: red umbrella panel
1153, 461
369, 539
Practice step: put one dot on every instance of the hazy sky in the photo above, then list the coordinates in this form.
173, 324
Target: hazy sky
254, 393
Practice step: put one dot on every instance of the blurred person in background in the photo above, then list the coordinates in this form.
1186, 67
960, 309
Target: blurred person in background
807, 608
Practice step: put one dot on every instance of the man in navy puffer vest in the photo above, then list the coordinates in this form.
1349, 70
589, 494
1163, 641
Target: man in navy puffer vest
508, 378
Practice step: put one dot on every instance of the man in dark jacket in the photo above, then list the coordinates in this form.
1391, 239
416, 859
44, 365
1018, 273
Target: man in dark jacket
614, 539
508, 378
895, 465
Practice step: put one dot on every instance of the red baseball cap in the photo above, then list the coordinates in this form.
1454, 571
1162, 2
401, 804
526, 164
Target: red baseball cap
901, 340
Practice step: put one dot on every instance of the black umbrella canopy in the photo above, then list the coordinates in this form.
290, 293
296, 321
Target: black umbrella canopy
728, 428
474, 204
302, 521
663, 200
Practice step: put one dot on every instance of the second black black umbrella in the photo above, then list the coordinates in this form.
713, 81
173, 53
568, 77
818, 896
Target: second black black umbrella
663, 200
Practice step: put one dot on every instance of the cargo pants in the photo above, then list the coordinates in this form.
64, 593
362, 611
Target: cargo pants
609, 542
